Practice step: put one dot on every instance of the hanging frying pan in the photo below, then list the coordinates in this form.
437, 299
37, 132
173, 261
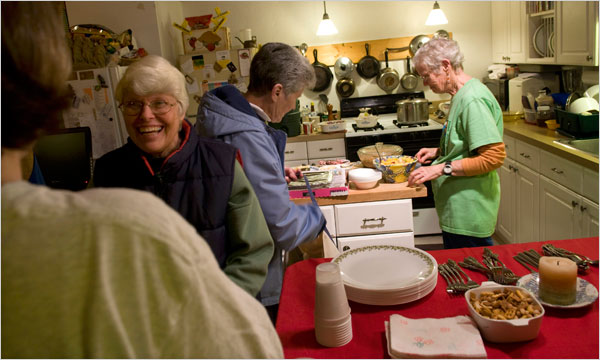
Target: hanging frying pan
414, 46
388, 79
322, 73
368, 67
345, 87
409, 80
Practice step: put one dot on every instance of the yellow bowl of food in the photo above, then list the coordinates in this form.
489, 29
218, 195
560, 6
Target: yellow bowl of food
395, 168
367, 154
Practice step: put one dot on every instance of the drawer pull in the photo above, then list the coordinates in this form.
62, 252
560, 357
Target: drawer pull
574, 203
326, 149
557, 171
583, 208
513, 168
290, 152
380, 219
525, 155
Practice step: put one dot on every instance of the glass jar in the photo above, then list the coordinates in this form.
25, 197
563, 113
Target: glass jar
545, 107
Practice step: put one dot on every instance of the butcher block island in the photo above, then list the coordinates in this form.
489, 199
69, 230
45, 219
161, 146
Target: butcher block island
382, 215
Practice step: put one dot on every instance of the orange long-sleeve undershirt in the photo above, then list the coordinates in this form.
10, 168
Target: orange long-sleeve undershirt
489, 157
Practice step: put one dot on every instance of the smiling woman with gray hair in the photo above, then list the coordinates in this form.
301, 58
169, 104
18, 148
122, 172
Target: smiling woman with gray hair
463, 175
200, 178
278, 75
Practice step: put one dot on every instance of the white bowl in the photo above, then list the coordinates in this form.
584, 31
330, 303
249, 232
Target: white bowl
592, 92
503, 331
366, 121
583, 104
364, 178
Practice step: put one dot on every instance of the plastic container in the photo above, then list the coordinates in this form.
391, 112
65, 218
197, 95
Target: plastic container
577, 125
545, 107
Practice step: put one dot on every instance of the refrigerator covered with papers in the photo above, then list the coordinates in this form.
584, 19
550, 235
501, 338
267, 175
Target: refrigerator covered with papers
94, 106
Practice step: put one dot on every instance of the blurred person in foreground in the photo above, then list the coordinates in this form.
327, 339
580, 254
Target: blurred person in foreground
465, 183
101, 273
201, 178
278, 76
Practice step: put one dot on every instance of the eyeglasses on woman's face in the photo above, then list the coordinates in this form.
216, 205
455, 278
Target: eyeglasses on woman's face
134, 108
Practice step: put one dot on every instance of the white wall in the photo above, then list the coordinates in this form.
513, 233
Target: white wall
139, 16
295, 22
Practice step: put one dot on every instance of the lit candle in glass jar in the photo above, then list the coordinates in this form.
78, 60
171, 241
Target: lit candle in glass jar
558, 280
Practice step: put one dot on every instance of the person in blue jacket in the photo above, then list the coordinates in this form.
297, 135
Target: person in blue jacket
278, 75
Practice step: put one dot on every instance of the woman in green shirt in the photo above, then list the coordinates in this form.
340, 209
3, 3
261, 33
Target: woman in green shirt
465, 184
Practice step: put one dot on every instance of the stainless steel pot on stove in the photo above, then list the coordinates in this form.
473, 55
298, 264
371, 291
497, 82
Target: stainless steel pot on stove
412, 111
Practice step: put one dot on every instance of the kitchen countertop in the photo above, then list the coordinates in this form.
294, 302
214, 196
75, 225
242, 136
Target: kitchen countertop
383, 191
315, 137
544, 139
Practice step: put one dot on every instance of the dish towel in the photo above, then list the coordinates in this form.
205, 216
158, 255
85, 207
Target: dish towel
453, 337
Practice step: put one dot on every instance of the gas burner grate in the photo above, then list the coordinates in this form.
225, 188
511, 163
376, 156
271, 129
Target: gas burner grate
411, 125
376, 127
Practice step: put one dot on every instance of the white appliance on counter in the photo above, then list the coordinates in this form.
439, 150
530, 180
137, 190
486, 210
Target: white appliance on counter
94, 106
529, 83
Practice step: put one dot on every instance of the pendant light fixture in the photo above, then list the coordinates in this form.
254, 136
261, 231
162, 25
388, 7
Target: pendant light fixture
326, 27
436, 16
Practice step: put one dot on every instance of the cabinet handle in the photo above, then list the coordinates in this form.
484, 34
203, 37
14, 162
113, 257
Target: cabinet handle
289, 152
574, 203
514, 169
582, 208
557, 171
326, 149
525, 155
589, 58
374, 219
508, 58
346, 247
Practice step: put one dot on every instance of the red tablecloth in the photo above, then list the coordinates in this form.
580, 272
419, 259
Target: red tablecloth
565, 333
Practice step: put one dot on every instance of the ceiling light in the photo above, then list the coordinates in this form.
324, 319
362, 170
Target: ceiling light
436, 16
326, 27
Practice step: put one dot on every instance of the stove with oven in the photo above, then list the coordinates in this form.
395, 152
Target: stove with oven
388, 131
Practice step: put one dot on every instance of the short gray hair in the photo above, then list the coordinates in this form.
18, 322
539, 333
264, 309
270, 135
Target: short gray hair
431, 54
278, 63
153, 75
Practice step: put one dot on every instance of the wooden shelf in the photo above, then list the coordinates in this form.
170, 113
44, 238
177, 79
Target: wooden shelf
328, 54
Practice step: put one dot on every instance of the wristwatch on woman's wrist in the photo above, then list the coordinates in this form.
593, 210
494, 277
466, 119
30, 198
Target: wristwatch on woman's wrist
447, 168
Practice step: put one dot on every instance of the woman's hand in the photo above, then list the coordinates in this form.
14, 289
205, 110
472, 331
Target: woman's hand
292, 174
425, 173
426, 155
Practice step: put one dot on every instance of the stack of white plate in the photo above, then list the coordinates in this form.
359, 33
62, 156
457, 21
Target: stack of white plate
386, 274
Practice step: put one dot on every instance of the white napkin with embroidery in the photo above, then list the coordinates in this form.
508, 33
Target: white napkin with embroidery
453, 337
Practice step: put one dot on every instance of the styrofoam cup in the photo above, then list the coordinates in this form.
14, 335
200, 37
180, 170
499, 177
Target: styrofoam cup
331, 302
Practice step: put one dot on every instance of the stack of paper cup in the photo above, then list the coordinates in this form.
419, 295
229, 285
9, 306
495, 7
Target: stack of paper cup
333, 324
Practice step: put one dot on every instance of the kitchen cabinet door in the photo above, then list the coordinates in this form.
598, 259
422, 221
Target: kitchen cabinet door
323, 149
527, 204
559, 211
576, 33
505, 225
295, 151
508, 31
329, 215
390, 216
589, 218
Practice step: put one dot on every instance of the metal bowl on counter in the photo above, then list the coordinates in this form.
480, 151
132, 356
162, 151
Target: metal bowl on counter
367, 154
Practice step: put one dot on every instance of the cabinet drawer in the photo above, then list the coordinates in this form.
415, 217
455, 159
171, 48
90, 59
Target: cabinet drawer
295, 151
562, 171
374, 217
325, 148
296, 163
590, 184
406, 239
509, 146
527, 155
329, 215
